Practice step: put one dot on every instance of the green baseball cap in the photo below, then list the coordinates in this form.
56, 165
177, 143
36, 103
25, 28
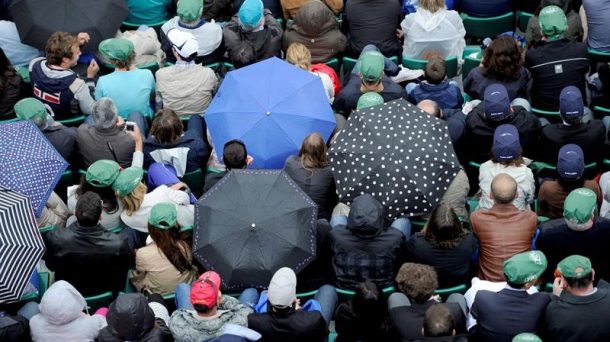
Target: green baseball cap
30, 109
553, 22
525, 267
527, 337
127, 180
371, 65
102, 173
190, 10
579, 205
569, 265
163, 215
116, 48
369, 100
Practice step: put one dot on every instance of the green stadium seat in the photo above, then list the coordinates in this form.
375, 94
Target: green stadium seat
451, 62
488, 27
99, 301
522, 20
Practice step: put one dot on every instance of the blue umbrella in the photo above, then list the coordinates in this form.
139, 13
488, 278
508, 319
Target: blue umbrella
30, 164
271, 106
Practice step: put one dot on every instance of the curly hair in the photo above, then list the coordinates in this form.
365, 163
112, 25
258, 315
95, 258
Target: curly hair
502, 60
125, 63
59, 46
444, 230
417, 281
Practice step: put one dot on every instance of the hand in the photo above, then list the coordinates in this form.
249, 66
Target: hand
137, 136
297, 304
249, 160
437, 298
93, 69
178, 186
82, 38
119, 122
57, 123
558, 286
399, 33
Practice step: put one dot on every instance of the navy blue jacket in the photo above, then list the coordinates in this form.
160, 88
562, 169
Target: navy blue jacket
446, 95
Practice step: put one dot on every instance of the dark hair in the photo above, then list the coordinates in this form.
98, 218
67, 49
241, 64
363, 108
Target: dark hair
313, 152
511, 284
110, 202
438, 321
369, 301
170, 242
502, 60
243, 54
571, 184
436, 70
59, 46
580, 282
7, 71
166, 127
235, 155
202, 308
88, 209
125, 63
444, 229
516, 162
417, 281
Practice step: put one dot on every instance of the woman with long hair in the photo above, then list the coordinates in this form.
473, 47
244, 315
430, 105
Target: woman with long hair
445, 245
167, 261
310, 170
12, 88
298, 55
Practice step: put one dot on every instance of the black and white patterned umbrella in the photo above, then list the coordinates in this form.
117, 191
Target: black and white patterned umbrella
397, 153
21, 245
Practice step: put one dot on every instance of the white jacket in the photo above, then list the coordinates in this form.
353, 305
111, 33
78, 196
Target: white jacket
522, 175
208, 35
427, 34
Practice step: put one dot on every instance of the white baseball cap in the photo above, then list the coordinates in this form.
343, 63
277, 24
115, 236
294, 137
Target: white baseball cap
184, 42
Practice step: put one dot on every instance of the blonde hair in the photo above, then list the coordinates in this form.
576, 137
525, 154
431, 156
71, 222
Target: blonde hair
299, 55
133, 200
432, 5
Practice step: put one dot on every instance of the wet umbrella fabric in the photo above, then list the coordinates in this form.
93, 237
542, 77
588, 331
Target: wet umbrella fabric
397, 153
252, 223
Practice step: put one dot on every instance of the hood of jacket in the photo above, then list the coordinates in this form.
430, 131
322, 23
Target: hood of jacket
62, 303
314, 19
129, 317
428, 20
366, 215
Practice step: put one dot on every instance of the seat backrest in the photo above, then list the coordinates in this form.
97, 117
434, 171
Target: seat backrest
488, 27
522, 20
451, 62
99, 301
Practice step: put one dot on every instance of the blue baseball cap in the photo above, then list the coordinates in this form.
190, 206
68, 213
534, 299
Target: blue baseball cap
570, 162
506, 145
571, 105
497, 103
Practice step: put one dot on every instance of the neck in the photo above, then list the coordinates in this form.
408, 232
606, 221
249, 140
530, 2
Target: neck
582, 292
208, 314
125, 69
367, 89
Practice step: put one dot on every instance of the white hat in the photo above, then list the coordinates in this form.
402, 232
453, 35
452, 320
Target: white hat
184, 42
283, 288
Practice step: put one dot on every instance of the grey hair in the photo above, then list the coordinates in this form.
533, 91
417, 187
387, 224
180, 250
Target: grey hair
575, 225
104, 113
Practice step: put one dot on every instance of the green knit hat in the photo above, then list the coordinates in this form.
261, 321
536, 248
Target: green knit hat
525, 267
190, 10
369, 100
30, 109
116, 48
102, 173
163, 216
579, 205
371, 66
569, 266
127, 181
553, 22
527, 337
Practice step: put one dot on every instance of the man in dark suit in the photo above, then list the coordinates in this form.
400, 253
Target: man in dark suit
503, 315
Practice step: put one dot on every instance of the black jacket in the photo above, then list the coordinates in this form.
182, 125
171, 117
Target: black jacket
365, 249
480, 131
14, 90
14, 329
352, 326
92, 259
320, 271
62, 138
130, 318
372, 22
590, 136
409, 320
289, 325
267, 42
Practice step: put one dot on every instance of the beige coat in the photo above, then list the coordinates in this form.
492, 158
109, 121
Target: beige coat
186, 89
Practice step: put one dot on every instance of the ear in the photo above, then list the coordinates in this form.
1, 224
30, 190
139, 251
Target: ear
422, 331
511, 109
453, 332
593, 273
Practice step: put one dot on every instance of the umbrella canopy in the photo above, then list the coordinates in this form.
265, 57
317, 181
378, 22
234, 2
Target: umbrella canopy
252, 223
397, 153
271, 106
30, 164
21, 245
37, 20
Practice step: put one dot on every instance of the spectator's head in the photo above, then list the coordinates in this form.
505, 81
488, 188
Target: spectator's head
99, 178
7, 71
435, 71
282, 289
577, 272
190, 11
299, 55
164, 230
129, 187
571, 105
417, 281
431, 108
506, 148
444, 229
503, 189
369, 100
88, 209
369, 301
502, 60
570, 162
522, 270
31, 109
119, 51
184, 44
563, 4
243, 54
132, 308
553, 23
496, 103
438, 322
166, 127
313, 152
62, 50
370, 68
235, 155
526, 337
251, 15
205, 293
105, 113
579, 209
366, 215
432, 5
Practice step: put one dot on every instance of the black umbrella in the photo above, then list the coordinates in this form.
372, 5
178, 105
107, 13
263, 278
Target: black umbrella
397, 153
252, 223
37, 20
21, 245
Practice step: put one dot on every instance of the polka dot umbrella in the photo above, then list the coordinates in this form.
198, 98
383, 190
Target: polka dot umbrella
397, 153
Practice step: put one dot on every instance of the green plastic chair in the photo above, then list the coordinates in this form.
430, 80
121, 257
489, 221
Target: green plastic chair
472, 205
129, 288
417, 224
99, 301
601, 111
599, 56
333, 63
305, 296
281, 22
24, 71
349, 294
47, 229
551, 115
195, 180
155, 26
43, 286
185, 121
444, 293
73, 122
488, 27
186, 228
332, 336
451, 62
549, 287
469, 64
522, 19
